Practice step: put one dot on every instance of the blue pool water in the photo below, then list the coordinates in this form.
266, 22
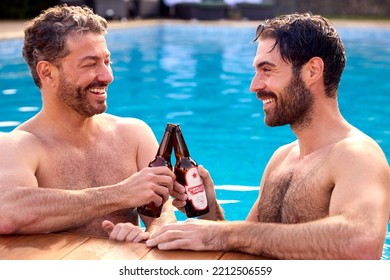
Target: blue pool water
199, 76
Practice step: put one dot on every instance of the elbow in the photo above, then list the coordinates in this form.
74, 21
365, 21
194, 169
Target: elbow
7, 226
8, 219
367, 247
10, 222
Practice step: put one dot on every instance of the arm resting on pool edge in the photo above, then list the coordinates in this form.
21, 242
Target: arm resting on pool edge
330, 238
355, 228
27, 208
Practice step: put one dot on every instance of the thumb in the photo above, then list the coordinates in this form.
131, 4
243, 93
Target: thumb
204, 173
208, 184
108, 226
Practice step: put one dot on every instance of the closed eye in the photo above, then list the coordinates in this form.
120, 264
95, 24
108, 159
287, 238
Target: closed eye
88, 65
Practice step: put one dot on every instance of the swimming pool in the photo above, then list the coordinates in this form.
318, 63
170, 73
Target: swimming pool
199, 76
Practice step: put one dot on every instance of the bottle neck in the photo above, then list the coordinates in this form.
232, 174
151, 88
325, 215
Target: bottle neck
180, 145
166, 144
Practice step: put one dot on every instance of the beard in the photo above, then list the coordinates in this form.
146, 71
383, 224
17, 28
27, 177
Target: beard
294, 106
75, 97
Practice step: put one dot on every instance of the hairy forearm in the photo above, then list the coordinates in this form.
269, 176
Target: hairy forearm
330, 239
167, 217
40, 210
215, 214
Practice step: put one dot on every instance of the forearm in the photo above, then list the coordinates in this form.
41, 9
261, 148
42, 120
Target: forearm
216, 213
40, 210
167, 217
331, 238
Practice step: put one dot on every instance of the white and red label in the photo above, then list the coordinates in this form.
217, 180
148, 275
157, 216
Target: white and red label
195, 190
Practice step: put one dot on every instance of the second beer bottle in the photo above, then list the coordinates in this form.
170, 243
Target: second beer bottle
162, 158
186, 171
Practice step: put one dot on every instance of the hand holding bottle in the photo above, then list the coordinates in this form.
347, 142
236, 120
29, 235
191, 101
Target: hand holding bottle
180, 197
162, 158
187, 174
149, 185
189, 191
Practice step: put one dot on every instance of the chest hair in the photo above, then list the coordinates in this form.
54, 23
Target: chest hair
295, 196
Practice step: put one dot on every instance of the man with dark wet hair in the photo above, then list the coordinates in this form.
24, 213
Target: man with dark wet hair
325, 195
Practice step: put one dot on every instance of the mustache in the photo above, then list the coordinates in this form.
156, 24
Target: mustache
97, 84
264, 93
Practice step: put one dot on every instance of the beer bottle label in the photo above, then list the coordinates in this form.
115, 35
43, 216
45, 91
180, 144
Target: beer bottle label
195, 190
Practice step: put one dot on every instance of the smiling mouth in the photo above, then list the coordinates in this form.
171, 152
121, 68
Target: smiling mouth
267, 97
267, 100
98, 91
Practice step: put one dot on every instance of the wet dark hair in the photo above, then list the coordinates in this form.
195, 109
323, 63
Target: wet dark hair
301, 37
45, 36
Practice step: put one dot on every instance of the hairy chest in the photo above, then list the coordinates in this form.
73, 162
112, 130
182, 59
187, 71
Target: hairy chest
296, 194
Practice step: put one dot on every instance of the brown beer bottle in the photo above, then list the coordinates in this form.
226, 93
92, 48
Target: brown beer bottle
162, 158
186, 171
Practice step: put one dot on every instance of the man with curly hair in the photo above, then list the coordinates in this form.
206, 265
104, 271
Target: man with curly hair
73, 167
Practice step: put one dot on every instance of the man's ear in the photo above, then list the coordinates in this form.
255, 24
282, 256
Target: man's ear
47, 72
313, 70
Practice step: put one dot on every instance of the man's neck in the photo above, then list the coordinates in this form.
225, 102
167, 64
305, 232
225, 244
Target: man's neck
70, 125
326, 127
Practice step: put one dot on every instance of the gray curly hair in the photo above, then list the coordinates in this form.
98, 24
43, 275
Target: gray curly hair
45, 36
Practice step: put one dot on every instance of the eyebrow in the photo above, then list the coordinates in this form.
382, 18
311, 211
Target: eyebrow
265, 63
91, 57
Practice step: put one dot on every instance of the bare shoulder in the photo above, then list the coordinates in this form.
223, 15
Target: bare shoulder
278, 156
136, 132
282, 152
360, 153
358, 145
21, 149
358, 168
126, 124
19, 139
285, 149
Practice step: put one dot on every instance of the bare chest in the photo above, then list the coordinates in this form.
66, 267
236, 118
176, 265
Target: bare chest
300, 193
98, 164
108, 159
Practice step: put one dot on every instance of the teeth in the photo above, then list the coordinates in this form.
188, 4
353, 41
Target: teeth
268, 100
98, 90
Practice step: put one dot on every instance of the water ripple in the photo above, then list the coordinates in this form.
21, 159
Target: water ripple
178, 114
9, 123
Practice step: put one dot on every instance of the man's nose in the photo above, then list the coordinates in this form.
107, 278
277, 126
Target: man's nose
105, 74
257, 84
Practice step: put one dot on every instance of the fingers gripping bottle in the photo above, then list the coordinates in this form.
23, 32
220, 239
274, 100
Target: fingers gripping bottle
186, 171
162, 158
